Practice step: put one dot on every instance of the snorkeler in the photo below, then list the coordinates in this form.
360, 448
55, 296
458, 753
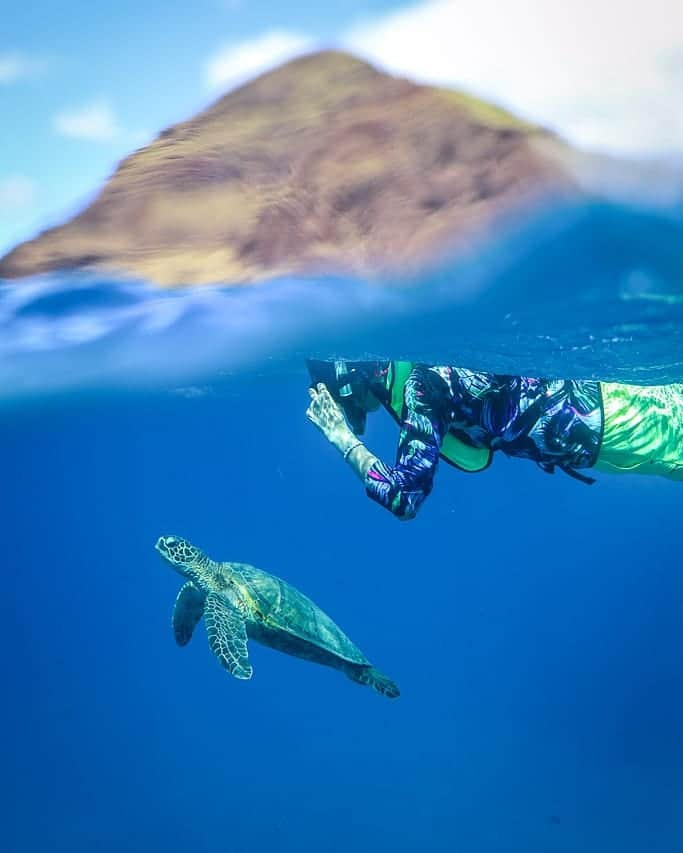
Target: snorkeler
464, 417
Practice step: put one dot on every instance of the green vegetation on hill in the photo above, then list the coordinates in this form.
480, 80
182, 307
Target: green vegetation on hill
322, 164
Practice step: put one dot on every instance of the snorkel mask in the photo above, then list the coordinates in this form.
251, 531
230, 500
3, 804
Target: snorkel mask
347, 382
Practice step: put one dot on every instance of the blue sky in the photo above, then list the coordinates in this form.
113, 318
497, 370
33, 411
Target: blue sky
82, 86
141, 65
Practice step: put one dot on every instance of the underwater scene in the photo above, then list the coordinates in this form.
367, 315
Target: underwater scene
531, 622
341, 427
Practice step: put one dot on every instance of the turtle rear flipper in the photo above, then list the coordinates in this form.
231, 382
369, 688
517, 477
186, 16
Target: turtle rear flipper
187, 611
375, 679
227, 633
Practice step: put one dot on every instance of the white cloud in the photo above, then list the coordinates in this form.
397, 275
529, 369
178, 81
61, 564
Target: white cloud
15, 66
16, 191
94, 122
236, 63
605, 74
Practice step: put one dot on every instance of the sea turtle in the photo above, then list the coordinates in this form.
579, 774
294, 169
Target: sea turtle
239, 601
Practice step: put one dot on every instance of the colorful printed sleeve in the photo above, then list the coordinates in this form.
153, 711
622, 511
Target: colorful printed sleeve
403, 487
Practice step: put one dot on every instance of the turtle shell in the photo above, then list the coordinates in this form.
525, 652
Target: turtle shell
282, 607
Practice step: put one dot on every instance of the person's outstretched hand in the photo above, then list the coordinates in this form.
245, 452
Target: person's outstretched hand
325, 412
328, 416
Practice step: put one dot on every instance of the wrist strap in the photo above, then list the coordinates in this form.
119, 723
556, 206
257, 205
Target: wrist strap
351, 448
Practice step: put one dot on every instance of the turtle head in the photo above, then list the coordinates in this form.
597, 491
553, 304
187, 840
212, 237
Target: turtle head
185, 558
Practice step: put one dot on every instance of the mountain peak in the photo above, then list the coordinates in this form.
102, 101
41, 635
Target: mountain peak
329, 61
320, 80
322, 163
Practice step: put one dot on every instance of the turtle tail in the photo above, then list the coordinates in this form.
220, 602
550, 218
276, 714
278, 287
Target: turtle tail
375, 679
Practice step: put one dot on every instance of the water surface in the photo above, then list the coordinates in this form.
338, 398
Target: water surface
532, 622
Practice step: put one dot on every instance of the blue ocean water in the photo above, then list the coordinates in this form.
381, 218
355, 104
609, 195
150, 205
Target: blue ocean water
533, 623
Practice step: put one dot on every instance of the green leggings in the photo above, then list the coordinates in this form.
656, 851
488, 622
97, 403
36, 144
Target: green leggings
643, 430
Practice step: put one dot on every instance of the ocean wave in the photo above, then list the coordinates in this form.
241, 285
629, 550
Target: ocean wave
590, 290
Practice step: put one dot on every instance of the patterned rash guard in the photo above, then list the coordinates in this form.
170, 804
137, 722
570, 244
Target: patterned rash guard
553, 422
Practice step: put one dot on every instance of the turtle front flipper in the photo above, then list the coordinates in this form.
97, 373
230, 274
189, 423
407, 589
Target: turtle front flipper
187, 611
227, 633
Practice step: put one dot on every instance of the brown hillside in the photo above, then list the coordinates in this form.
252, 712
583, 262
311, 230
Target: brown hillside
323, 164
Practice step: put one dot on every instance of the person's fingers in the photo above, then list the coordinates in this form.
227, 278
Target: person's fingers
312, 393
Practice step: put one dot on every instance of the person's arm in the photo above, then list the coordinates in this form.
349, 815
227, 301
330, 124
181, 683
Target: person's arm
328, 416
403, 487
